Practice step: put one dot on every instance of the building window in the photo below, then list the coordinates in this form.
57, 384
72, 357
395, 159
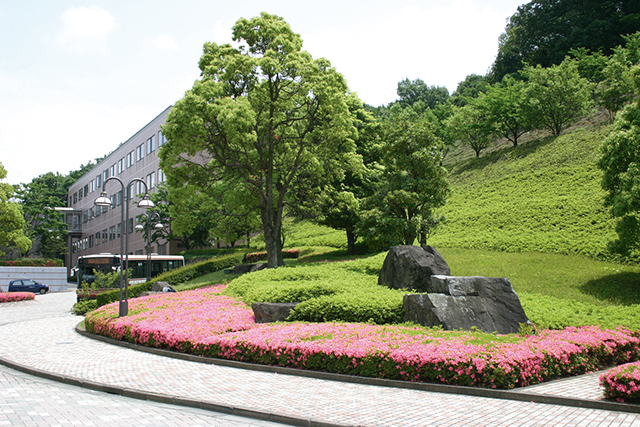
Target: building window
104, 236
119, 198
90, 241
98, 181
86, 190
112, 232
97, 211
112, 170
80, 194
151, 180
161, 176
130, 226
151, 144
139, 152
119, 228
162, 249
161, 139
97, 238
85, 216
130, 159
105, 174
75, 197
121, 165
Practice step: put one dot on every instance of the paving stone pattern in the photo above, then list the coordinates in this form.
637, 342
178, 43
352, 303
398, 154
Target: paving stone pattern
41, 335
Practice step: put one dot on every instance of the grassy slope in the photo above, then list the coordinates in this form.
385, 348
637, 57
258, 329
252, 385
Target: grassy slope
543, 196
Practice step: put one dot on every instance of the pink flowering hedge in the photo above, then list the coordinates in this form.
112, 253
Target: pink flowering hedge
622, 383
203, 322
16, 296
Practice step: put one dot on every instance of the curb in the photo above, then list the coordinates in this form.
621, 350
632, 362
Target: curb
522, 396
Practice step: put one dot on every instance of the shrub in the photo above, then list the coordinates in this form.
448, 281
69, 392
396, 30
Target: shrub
203, 322
177, 276
622, 383
16, 296
382, 307
32, 262
84, 307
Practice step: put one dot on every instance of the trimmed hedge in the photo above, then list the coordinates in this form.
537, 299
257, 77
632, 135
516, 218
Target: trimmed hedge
175, 277
383, 307
31, 262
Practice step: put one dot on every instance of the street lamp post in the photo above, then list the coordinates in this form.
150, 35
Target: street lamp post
146, 203
158, 225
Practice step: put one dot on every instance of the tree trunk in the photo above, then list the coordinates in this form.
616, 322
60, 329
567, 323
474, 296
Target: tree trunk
351, 241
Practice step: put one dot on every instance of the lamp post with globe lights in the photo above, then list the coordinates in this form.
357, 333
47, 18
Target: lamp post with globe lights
145, 203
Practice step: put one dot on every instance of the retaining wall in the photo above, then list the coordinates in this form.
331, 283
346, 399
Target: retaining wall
54, 277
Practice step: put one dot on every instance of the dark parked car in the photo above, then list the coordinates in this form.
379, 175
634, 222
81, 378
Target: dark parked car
27, 286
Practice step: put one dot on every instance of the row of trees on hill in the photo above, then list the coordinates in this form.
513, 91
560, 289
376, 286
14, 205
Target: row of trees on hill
536, 97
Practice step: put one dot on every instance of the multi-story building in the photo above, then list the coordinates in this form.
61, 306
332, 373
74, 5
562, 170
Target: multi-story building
93, 229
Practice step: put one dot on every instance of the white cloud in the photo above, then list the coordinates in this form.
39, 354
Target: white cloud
85, 29
440, 45
165, 42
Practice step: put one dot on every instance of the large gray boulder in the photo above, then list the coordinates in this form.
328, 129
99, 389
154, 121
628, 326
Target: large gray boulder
489, 304
411, 267
267, 312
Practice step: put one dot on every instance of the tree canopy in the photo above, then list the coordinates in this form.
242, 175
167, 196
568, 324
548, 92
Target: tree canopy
542, 32
12, 220
263, 115
620, 163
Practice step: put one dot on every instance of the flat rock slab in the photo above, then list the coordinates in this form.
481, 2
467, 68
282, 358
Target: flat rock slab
267, 312
247, 268
411, 267
489, 304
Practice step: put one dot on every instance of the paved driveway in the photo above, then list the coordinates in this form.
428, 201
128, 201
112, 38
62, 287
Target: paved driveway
40, 336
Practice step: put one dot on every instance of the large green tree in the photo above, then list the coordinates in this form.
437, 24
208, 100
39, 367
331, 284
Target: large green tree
45, 226
339, 205
503, 105
472, 126
542, 32
555, 97
620, 163
262, 114
12, 222
412, 91
413, 183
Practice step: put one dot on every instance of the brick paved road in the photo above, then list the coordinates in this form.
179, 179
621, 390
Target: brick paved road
52, 345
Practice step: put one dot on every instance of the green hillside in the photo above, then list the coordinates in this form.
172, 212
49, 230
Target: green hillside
542, 196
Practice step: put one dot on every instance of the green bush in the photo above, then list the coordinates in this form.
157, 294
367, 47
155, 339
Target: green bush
177, 276
384, 306
83, 307
328, 291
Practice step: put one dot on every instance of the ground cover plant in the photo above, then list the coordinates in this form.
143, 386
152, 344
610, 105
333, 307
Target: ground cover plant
205, 322
16, 296
541, 196
622, 383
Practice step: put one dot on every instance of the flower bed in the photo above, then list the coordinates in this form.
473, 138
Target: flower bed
205, 323
622, 383
16, 296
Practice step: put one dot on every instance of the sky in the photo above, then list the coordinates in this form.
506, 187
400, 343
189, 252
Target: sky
79, 77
